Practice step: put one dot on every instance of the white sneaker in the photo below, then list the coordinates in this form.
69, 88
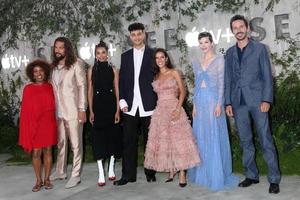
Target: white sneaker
56, 176
72, 182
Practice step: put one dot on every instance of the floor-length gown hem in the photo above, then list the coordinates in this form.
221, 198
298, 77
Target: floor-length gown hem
210, 131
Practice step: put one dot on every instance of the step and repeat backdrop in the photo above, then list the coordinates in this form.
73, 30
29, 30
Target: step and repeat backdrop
267, 27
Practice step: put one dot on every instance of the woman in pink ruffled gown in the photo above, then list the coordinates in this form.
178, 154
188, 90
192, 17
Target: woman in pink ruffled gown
171, 146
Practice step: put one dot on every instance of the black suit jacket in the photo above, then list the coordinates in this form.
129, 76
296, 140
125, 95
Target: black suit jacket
146, 77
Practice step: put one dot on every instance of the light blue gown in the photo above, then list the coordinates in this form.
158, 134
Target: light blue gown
211, 134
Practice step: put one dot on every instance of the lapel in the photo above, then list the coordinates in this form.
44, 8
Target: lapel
63, 72
235, 54
248, 51
145, 59
62, 75
131, 63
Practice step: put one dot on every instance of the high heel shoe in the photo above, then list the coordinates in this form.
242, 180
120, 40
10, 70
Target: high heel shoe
171, 178
101, 184
182, 184
112, 178
180, 177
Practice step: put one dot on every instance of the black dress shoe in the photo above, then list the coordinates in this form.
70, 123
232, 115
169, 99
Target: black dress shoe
151, 178
274, 188
124, 181
247, 182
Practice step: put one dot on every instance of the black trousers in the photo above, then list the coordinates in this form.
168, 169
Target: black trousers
132, 127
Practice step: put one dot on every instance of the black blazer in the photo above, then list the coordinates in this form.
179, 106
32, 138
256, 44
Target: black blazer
126, 83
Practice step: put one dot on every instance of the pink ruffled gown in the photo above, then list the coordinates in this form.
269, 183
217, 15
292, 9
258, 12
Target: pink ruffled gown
171, 145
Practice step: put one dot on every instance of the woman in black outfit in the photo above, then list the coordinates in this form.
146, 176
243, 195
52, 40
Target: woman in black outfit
103, 98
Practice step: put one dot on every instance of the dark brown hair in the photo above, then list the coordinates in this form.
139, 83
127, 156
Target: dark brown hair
168, 62
238, 17
136, 26
71, 57
38, 63
205, 34
101, 45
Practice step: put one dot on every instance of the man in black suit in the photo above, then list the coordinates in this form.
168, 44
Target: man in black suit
137, 101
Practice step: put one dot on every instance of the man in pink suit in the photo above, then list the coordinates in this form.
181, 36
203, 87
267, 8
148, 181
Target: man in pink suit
70, 88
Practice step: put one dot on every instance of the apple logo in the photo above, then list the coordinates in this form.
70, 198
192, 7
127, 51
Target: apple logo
191, 38
85, 52
5, 62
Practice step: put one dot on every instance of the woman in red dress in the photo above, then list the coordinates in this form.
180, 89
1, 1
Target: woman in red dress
38, 130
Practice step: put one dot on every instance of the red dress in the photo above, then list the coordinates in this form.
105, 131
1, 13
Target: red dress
37, 117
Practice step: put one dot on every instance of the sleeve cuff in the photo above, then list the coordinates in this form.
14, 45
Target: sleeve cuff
267, 102
123, 104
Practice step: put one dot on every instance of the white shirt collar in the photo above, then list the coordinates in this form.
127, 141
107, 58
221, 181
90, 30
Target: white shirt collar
59, 67
141, 50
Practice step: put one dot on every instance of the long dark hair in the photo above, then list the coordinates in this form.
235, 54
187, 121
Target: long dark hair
71, 57
168, 62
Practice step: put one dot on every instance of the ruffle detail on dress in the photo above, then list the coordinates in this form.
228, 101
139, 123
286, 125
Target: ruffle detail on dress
171, 145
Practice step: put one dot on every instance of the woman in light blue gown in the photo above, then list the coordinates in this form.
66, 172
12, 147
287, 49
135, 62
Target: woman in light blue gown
209, 122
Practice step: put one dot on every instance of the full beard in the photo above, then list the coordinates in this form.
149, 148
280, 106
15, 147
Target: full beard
58, 57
